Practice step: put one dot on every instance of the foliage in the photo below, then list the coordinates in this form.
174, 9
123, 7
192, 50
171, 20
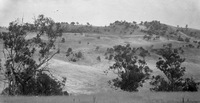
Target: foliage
97, 48
79, 54
99, 58
190, 46
69, 51
170, 65
187, 40
73, 56
155, 27
63, 40
147, 37
180, 38
72, 23
43, 84
131, 70
26, 59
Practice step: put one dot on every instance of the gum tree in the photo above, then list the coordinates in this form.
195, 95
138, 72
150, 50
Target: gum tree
130, 69
25, 69
170, 64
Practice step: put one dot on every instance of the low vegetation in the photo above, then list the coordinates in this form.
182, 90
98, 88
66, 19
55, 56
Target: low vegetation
73, 56
63, 40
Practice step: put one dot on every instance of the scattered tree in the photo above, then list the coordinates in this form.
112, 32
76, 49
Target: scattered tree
180, 38
72, 23
141, 23
170, 65
131, 70
69, 51
74, 56
187, 40
97, 48
63, 40
79, 54
88, 23
99, 58
186, 27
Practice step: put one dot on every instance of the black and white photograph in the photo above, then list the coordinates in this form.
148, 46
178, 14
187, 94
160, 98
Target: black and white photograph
99, 51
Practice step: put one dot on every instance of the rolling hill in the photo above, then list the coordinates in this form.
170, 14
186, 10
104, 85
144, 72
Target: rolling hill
86, 74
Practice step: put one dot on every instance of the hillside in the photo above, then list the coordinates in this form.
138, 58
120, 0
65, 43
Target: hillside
86, 75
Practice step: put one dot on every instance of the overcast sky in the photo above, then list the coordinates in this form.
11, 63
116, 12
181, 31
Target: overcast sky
103, 12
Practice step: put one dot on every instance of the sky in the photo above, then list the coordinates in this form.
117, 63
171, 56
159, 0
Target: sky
103, 12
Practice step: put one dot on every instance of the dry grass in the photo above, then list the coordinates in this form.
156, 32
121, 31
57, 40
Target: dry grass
87, 75
118, 97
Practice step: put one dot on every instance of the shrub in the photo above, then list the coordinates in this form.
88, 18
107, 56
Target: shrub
75, 56
187, 40
79, 54
180, 38
195, 41
43, 84
69, 51
99, 58
190, 46
97, 48
63, 40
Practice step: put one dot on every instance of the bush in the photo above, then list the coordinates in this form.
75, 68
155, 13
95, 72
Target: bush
190, 46
99, 58
63, 40
131, 70
187, 40
79, 54
42, 84
75, 56
170, 65
195, 41
46, 85
69, 51
180, 38
97, 48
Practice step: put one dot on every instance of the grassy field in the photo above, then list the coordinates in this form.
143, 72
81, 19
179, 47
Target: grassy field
86, 76
117, 97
